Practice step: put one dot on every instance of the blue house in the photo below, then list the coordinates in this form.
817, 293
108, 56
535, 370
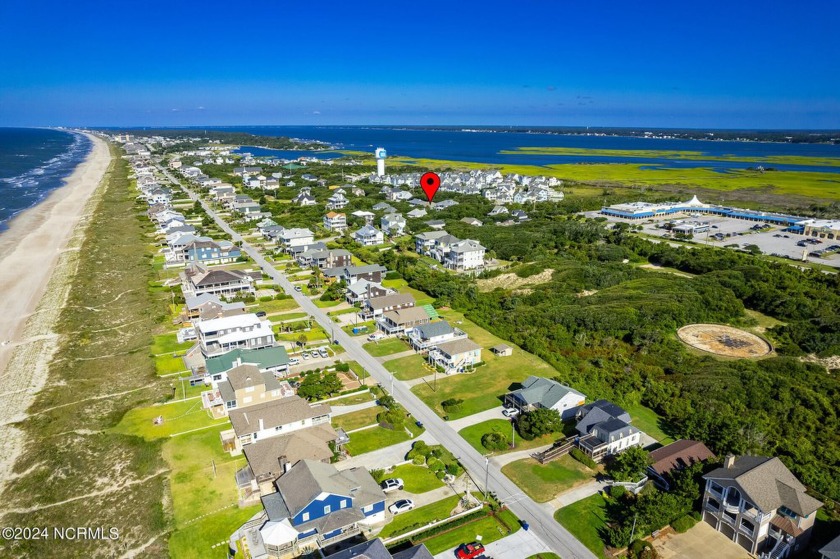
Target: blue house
316, 506
212, 252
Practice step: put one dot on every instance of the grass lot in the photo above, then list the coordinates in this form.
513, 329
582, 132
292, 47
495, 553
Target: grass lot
543, 482
357, 419
371, 327
348, 310
483, 389
168, 343
353, 399
585, 519
417, 479
410, 367
314, 334
489, 528
166, 365
386, 347
397, 284
420, 297
406, 521
274, 306
177, 418
648, 421
546, 555
326, 304
291, 316
360, 371
473, 434
379, 437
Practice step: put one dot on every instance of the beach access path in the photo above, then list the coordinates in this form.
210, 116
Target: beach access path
31, 253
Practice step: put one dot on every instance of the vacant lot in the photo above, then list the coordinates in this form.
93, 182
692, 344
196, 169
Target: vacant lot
410, 367
357, 419
542, 482
585, 520
379, 437
417, 479
386, 347
473, 434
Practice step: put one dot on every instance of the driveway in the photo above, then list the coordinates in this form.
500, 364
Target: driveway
518, 545
341, 410
383, 458
421, 499
495, 413
574, 495
697, 543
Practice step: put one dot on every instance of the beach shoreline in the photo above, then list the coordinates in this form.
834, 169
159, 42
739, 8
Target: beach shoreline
38, 259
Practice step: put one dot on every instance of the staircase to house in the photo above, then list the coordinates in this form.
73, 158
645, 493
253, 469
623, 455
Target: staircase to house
557, 450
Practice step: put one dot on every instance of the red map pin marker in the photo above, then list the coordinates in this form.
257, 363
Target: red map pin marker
430, 183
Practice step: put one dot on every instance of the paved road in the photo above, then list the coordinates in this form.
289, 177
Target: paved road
558, 539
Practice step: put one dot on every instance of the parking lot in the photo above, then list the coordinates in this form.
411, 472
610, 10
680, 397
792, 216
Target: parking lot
724, 232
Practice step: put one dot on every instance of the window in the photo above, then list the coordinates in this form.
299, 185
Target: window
327, 509
305, 517
367, 508
343, 504
249, 389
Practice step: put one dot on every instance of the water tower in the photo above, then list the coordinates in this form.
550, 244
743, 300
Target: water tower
381, 154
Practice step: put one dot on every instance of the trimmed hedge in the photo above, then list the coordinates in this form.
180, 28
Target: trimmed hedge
579, 455
683, 524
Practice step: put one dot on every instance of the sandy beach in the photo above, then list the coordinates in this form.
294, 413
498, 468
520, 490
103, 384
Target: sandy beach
37, 262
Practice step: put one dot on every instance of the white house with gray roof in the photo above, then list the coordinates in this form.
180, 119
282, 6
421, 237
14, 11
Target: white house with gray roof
425, 336
272, 418
605, 429
540, 392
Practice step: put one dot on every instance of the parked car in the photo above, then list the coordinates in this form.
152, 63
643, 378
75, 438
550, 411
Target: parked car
323, 352
391, 484
305, 355
260, 314
469, 550
298, 288
293, 360
510, 412
403, 505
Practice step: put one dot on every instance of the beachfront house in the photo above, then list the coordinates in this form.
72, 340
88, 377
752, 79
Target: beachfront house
334, 221
271, 419
245, 331
605, 430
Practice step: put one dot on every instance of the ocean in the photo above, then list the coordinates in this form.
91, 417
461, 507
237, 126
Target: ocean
33, 163
486, 147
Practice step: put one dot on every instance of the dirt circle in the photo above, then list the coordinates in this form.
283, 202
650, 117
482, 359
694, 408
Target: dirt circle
724, 340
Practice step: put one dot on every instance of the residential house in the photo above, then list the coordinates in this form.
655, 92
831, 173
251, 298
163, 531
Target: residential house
272, 360
208, 307
370, 272
208, 251
239, 171
455, 356
498, 210
337, 201
199, 280
676, 456
363, 290
543, 393
425, 242
323, 258
304, 198
392, 224
244, 386
605, 430
375, 549
377, 306
417, 213
519, 215
464, 256
367, 216
245, 331
272, 419
383, 207
315, 506
758, 503
444, 204
831, 550
425, 336
295, 237
335, 222
436, 223
368, 236
402, 320
472, 221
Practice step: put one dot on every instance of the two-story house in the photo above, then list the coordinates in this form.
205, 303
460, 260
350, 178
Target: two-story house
758, 503
377, 306
402, 320
455, 356
335, 222
295, 237
197, 279
605, 429
368, 236
392, 224
316, 505
244, 386
541, 392
323, 258
425, 336
363, 290
370, 272
464, 255
273, 360
208, 307
271, 419
375, 549
245, 331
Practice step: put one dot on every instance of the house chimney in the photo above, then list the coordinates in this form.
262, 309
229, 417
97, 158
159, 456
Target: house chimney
729, 461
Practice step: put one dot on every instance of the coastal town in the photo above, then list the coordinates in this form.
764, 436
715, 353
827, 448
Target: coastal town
319, 371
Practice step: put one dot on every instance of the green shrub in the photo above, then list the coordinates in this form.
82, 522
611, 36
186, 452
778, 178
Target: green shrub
618, 491
641, 549
440, 474
266, 298
452, 405
579, 455
392, 275
342, 367
683, 524
494, 441
418, 460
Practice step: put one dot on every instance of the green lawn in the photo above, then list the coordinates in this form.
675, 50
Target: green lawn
386, 347
489, 528
406, 521
545, 555
585, 519
360, 371
290, 316
273, 306
370, 324
166, 364
417, 479
397, 284
410, 367
373, 439
353, 399
326, 304
420, 297
543, 482
483, 389
356, 419
168, 343
473, 434
348, 310
177, 418
648, 421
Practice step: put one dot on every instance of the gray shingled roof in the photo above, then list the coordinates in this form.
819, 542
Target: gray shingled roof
304, 444
307, 479
392, 300
433, 329
456, 347
768, 483
276, 412
831, 550
247, 375
544, 391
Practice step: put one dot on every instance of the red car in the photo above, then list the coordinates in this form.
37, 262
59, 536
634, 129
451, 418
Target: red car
469, 550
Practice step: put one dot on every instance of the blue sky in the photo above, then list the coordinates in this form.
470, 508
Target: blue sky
733, 64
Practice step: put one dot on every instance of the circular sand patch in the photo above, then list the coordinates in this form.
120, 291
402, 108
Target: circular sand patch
724, 340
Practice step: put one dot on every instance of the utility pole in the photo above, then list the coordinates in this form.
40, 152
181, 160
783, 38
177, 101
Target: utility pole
633, 531
486, 477
512, 434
